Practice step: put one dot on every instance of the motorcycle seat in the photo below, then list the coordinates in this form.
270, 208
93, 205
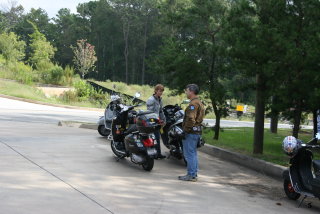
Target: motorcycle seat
131, 129
144, 113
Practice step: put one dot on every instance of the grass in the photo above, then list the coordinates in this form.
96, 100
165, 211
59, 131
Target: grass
145, 90
241, 140
16, 89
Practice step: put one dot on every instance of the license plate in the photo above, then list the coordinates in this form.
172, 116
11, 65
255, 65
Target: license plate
152, 151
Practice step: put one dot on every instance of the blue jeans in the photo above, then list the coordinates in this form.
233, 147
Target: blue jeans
190, 153
157, 135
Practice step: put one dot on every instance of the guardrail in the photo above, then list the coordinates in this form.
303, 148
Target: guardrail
110, 91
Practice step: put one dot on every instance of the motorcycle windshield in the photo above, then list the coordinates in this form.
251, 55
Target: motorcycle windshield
109, 114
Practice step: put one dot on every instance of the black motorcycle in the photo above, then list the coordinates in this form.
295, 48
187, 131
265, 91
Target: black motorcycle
303, 175
172, 133
132, 136
105, 122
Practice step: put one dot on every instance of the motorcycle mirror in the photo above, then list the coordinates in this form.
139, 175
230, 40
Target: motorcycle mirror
137, 95
185, 102
318, 136
114, 86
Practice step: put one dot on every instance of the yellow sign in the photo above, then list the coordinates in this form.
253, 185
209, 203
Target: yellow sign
239, 108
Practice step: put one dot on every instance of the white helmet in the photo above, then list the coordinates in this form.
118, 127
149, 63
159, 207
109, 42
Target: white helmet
290, 145
115, 98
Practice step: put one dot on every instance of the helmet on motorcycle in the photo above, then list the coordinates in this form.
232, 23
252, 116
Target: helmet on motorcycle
290, 145
115, 98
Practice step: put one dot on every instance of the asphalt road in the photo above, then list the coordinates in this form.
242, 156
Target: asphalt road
45, 168
34, 113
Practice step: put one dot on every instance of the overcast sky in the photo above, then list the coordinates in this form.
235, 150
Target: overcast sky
51, 6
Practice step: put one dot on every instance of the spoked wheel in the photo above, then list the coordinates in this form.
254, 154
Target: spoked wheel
148, 164
103, 131
114, 150
289, 190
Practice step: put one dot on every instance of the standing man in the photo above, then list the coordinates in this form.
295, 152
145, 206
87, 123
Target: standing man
192, 127
154, 104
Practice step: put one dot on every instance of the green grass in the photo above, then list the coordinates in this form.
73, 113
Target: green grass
16, 89
241, 140
145, 90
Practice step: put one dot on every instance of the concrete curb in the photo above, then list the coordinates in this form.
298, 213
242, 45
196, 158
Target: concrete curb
49, 104
76, 124
261, 166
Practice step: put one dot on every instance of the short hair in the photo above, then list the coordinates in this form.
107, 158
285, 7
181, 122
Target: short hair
194, 88
158, 87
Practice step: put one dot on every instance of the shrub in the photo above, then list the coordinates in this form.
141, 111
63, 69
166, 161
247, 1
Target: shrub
70, 96
52, 75
56, 75
83, 90
68, 75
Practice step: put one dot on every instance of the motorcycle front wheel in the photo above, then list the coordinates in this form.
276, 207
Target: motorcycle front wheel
148, 164
103, 131
114, 150
288, 189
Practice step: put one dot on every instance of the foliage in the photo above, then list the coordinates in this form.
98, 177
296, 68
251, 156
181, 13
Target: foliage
41, 50
11, 48
84, 57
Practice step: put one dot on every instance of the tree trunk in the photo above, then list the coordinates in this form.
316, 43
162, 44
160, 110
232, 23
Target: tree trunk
144, 53
113, 62
259, 116
315, 122
126, 48
274, 123
217, 126
297, 119
217, 113
274, 116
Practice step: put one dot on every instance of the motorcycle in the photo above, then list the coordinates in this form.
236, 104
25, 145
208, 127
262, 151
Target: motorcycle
303, 175
132, 136
172, 133
104, 122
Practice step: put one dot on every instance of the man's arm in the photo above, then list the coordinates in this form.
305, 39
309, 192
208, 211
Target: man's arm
151, 104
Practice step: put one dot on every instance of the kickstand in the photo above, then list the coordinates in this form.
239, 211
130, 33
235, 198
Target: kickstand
302, 201
119, 158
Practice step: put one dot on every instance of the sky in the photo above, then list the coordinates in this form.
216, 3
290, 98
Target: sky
51, 6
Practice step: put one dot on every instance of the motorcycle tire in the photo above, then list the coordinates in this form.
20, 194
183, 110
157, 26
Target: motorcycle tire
148, 164
103, 131
114, 150
288, 189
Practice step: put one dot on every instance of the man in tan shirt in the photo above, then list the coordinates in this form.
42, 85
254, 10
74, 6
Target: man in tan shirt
192, 127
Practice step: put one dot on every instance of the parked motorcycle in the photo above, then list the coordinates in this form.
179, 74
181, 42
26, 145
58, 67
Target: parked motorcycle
132, 136
104, 122
172, 133
303, 175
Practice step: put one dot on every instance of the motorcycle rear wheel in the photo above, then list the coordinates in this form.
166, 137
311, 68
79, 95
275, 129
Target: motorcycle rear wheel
148, 164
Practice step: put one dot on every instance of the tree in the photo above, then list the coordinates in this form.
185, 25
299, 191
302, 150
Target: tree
252, 32
41, 50
84, 57
10, 15
302, 57
11, 47
195, 53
